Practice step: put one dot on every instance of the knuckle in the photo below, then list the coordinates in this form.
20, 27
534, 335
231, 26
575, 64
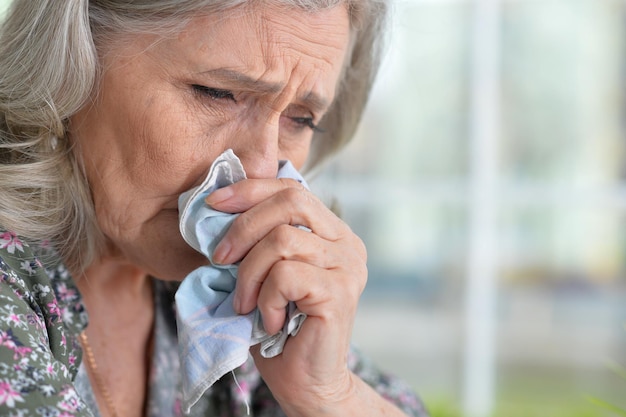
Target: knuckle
283, 237
281, 271
283, 279
295, 195
244, 221
362, 280
356, 270
361, 249
361, 275
353, 284
355, 242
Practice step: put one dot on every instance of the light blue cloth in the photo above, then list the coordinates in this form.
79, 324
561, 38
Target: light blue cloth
213, 339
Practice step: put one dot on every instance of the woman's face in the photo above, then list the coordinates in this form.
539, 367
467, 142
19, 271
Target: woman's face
256, 80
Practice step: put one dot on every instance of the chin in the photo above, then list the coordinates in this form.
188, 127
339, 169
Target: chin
163, 253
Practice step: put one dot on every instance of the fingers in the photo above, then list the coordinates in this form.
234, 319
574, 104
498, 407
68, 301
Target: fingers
285, 243
267, 204
288, 280
242, 195
314, 290
322, 270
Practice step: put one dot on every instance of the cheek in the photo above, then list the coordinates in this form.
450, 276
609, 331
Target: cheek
169, 149
153, 163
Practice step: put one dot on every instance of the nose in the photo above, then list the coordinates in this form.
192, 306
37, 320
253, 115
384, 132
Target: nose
257, 146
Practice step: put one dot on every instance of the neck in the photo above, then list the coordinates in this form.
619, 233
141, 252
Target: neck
118, 299
110, 279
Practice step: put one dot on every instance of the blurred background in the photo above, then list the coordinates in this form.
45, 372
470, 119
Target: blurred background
488, 181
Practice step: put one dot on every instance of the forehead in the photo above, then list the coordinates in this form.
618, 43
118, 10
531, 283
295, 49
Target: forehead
270, 29
269, 45
212, 19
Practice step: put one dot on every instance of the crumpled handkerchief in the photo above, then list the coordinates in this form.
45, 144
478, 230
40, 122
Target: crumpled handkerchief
213, 339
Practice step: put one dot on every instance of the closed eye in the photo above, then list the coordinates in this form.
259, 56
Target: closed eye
307, 122
213, 93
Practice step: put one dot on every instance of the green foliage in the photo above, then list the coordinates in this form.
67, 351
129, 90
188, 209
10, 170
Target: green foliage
550, 410
608, 406
619, 371
549, 394
441, 407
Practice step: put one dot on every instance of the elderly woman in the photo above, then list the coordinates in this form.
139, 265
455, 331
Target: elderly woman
110, 109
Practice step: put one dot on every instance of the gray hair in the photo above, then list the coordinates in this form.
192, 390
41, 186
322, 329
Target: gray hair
49, 66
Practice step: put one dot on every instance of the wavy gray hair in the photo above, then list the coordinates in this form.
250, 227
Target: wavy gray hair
49, 69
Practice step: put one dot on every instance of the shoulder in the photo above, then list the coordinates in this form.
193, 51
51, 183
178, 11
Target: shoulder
35, 274
39, 353
17, 260
24, 285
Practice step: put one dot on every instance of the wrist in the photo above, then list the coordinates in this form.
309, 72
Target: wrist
356, 399
326, 401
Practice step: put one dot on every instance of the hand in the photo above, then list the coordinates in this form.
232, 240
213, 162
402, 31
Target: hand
323, 272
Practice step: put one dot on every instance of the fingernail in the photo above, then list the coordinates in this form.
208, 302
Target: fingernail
221, 252
219, 196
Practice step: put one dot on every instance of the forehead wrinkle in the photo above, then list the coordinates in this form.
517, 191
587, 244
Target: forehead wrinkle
255, 85
298, 30
287, 40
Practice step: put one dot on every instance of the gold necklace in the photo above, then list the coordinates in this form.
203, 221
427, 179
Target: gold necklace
93, 366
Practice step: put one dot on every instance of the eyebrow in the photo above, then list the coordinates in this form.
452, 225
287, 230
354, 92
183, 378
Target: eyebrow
246, 82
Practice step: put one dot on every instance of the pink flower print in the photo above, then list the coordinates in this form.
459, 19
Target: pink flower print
50, 370
10, 241
70, 400
13, 319
54, 308
64, 292
55, 312
6, 339
68, 405
8, 396
21, 351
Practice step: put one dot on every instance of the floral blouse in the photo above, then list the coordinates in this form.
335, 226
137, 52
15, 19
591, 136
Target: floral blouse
41, 371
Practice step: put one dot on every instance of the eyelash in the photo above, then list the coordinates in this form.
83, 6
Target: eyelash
218, 94
213, 93
307, 122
